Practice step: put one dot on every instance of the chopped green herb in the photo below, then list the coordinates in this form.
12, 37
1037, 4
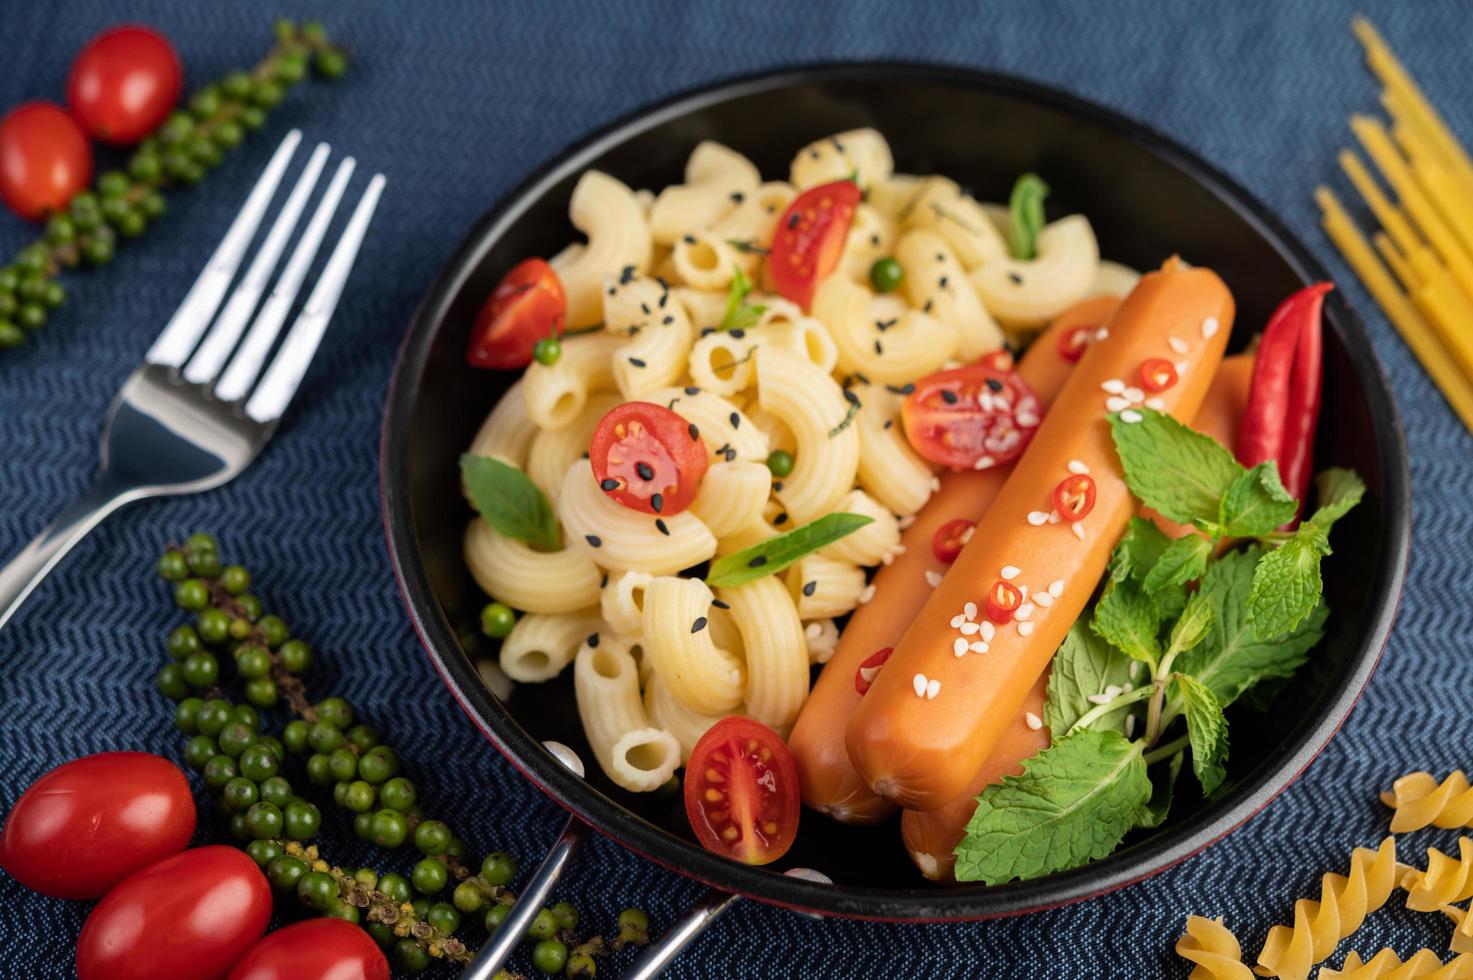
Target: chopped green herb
775, 554
739, 314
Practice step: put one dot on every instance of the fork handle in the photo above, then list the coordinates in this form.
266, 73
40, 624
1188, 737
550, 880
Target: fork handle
27, 569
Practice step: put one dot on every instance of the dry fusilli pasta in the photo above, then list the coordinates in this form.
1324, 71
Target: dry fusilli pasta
1386, 965
1447, 879
1214, 949
1419, 800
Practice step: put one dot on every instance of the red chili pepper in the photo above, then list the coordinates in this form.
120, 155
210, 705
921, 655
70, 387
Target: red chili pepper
1284, 399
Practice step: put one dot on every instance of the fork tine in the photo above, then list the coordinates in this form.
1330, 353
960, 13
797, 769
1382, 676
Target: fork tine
221, 340
246, 364
285, 374
188, 323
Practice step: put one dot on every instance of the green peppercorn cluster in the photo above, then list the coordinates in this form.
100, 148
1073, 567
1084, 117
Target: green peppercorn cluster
329, 750
187, 145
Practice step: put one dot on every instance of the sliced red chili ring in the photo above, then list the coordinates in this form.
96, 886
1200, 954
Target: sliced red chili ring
1003, 599
1074, 497
950, 538
1158, 374
865, 675
1073, 343
999, 360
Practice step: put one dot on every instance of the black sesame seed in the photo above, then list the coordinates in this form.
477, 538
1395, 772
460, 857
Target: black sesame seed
657, 502
757, 562
698, 625
660, 526
942, 282
668, 320
927, 307
780, 519
777, 486
862, 379
645, 307
874, 240
737, 332
737, 197
837, 145
626, 275
694, 432
1017, 280
994, 384
608, 484
883, 325
888, 423
692, 390
948, 396
707, 330
644, 471
613, 290
809, 588
664, 296
879, 349
719, 604
793, 221
593, 640
730, 455
603, 583
940, 257
814, 154
636, 362
904, 389
594, 540
735, 420
689, 239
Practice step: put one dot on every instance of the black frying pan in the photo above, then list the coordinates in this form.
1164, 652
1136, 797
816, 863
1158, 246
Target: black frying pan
1146, 196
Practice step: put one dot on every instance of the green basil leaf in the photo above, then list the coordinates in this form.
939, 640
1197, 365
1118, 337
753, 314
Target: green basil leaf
510, 502
775, 554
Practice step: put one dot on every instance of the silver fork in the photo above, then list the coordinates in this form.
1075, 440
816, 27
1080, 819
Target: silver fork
203, 403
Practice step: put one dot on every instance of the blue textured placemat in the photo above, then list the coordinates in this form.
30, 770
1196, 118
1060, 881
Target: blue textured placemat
455, 102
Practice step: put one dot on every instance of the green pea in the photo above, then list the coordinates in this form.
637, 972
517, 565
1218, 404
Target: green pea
219, 771
214, 716
276, 790
343, 764
258, 762
200, 669
199, 750
397, 794
468, 897
410, 955
263, 852
886, 275
285, 872
389, 828
547, 351
497, 619
431, 836
317, 890
429, 876
780, 462
296, 656
498, 868
302, 822
172, 682
544, 926
192, 594
550, 956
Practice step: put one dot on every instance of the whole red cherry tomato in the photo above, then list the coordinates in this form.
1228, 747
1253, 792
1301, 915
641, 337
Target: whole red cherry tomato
45, 159
317, 949
86, 825
123, 83
187, 917
526, 306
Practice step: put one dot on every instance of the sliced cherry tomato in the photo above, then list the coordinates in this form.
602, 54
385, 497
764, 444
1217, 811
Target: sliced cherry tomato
88, 824
865, 673
971, 417
526, 306
1073, 343
45, 159
123, 83
648, 458
741, 792
810, 239
1003, 599
1074, 497
950, 538
317, 949
187, 917
1157, 374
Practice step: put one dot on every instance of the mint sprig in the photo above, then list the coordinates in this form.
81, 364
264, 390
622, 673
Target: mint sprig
1083, 668
1256, 503
775, 554
1174, 470
510, 502
1207, 730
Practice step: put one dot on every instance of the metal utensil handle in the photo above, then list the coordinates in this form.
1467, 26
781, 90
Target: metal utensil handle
513, 929
26, 570
658, 955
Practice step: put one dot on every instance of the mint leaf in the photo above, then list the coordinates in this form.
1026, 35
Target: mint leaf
1286, 582
1084, 666
1129, 620
1256, 503
775, 554
1172, 469
510, 502
1138, 550
1207, 730
1195, 622
739, 315
1073, 804
1154, 813
1339, 490
1231, 658
1183, 561
1025, 208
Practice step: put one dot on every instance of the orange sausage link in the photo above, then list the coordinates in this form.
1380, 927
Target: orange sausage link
931, 836
829, 781
932, 717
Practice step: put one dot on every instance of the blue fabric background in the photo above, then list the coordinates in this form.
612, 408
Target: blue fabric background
455, 102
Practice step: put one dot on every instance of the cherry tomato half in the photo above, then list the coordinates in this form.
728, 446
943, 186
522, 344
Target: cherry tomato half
45, 159
123, 83
1003, 599
648, 458
971, 417
951, 538
865, 673
1074, 497
317, 949
88, 824
526, 306
810, 238
1157, 374
741, 792
187, 917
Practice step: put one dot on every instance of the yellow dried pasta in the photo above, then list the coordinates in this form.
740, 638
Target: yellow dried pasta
1420, 800
1446, 879
1386, 965
1214, 949
1291, 952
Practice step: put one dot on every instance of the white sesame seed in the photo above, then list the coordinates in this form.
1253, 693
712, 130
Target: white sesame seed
984, 399
1092, 699
1024, 611
813, 631
1034, 722
1129, 725
1027, 419
1156, 404
933, 688
1126, 688
984, 463
1043, 599
1102, 334
968, 629
1077, 467
1130, 415
933, 577
1037, 518
957, 622
1135, 669
905, 522
1009, 572
888, 558
1113, 690
959, 647
1177, 344
1053, 517
977, 646
966, 537
1078, 530
1134, 394
1116, 403
970, 610
898, 549
918, 682
1056, 588
1209, 328
867, 593
987, 632
1113, 387
1025, 629
935, 484
1024, 590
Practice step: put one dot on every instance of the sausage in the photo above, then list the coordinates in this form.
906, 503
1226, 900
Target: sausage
828, 780
932, 717
931, 836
